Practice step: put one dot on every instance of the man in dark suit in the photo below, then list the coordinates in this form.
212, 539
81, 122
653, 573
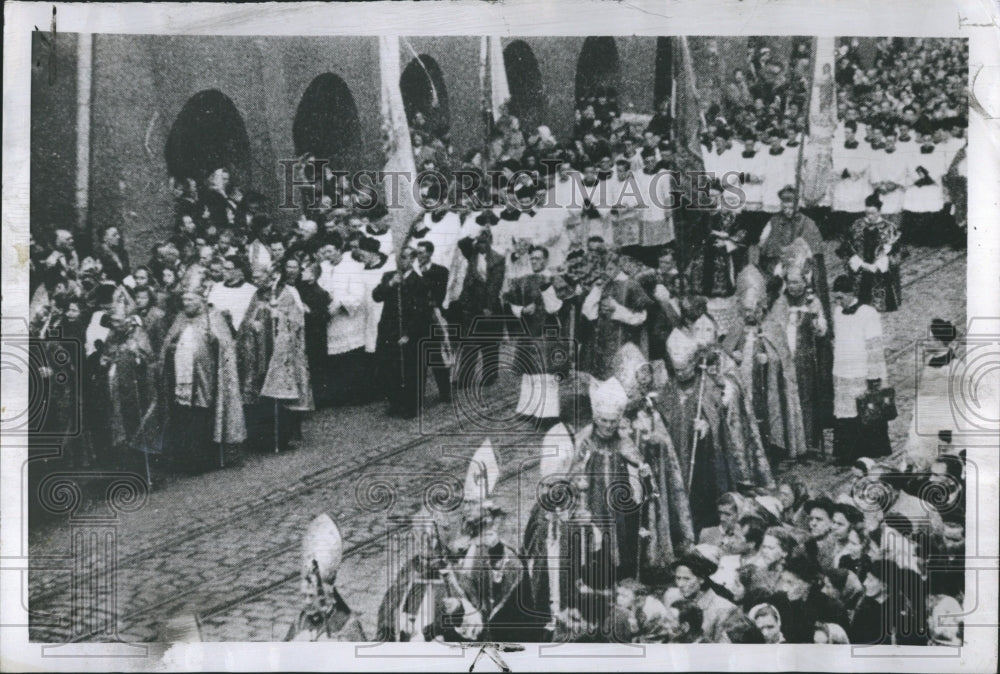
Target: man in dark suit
407, 317
436, 279
479, 309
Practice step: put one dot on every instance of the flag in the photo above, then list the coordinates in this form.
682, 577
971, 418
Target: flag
499, 89
689, 117
398, 149
823, 101
817, 161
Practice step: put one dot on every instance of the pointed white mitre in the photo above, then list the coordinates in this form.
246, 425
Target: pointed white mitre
323, 543
483, 473
681, 349
607, 398
557, 452
628, 362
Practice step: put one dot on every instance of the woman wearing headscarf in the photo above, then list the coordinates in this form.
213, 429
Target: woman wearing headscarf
830, 633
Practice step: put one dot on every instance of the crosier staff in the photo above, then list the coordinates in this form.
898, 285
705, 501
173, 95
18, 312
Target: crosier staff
703, 366
649, 492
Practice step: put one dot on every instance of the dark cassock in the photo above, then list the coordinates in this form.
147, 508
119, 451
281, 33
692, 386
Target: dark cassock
375, 265
479, 309
425, 601
767, 372
436, 278
273, 365
316, 300
718, 436
665, 515
534, 301
616, 311
784, 228
407, 316
325, 616
198, 420
871, 249
571, 292
718, 258
800, 314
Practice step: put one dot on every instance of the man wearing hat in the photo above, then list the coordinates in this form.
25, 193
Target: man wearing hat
591, 196
871, 250
200, 420
692, 582
785, 227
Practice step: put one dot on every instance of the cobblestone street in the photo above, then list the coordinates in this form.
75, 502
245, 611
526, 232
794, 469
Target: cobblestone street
225, 545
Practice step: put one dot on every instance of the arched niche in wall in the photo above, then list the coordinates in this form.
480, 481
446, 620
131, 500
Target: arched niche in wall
208, 133
423, 90
327, 124
598, 68
527, 94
